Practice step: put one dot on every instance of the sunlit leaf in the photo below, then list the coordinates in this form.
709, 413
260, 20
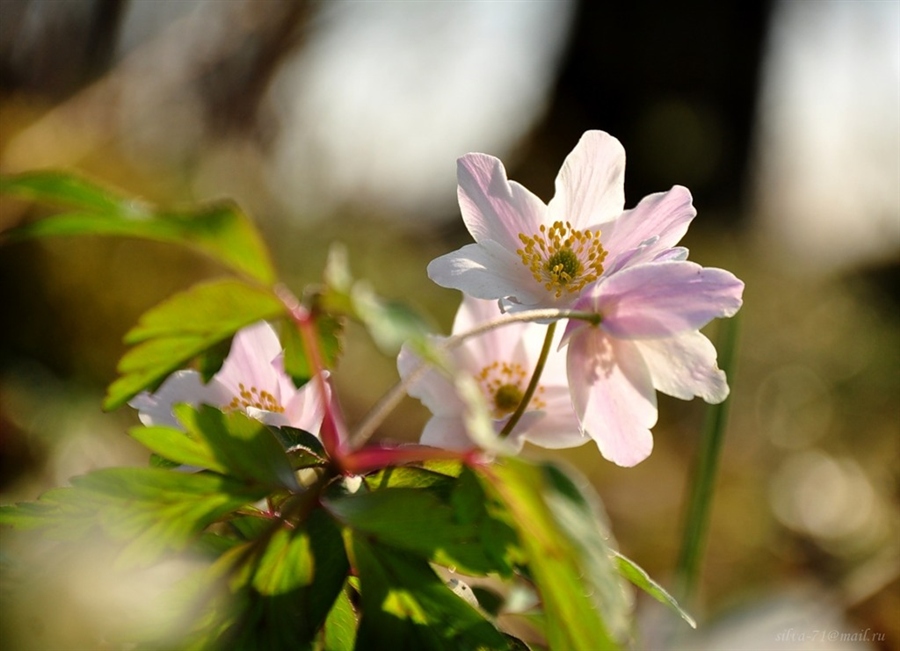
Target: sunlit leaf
174, 332
339, 631
151, 509
291, 579
430, 523
220, 230
242, 447
566, 553
406, 606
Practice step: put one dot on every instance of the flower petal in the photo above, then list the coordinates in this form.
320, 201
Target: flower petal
486, 271
590, 186
657, 223
446, 432
661, 299
435, 390
306, 408
494, 208
555, 426
180, 387
684, 366
249, 361
613, 395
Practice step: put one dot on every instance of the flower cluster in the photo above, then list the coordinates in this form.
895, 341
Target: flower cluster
584, 252
633, 303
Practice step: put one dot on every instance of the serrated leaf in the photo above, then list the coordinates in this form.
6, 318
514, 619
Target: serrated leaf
430, 523
406, 606
288, 587
174, 332
242, 447
220, 230
176, 447
151, 509
639, 577
566, 553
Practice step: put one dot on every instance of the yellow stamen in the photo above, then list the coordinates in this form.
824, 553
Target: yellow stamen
504, 387
563, 259
253, 397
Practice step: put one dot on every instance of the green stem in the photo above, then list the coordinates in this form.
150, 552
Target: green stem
703, 485
532, 385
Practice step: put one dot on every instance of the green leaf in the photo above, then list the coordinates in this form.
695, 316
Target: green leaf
339, 631
242, 447
174, 332
177, 447
291, 581
566, 552
151, 509
639, 577
220, 230
406, 606
437, 529
303, 449
410, 477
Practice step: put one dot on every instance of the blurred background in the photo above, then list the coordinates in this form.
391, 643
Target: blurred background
342, 121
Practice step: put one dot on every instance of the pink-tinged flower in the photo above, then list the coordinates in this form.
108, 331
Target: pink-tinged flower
501, 362
532, 255
252, 379
648, 340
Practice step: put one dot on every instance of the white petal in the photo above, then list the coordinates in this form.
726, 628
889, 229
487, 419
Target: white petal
685, 366
447, 432
180, 387
493, 207
487, 271
590, 187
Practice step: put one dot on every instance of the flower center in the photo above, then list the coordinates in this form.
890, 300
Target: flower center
504, 387
561, 258
253, 397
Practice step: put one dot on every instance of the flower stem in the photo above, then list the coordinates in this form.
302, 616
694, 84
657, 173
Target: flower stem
532, 384
700, 501
395, 395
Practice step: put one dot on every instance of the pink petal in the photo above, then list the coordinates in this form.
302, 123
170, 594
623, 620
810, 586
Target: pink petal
613, 395
306, 407
493, 207
684, 366
590, 187
666, 298
657, 223
249, 361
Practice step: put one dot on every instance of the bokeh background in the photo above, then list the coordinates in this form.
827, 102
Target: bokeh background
342, 121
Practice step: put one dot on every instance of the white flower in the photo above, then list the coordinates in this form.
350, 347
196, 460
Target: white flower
252, 379
531, 255
501, 362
